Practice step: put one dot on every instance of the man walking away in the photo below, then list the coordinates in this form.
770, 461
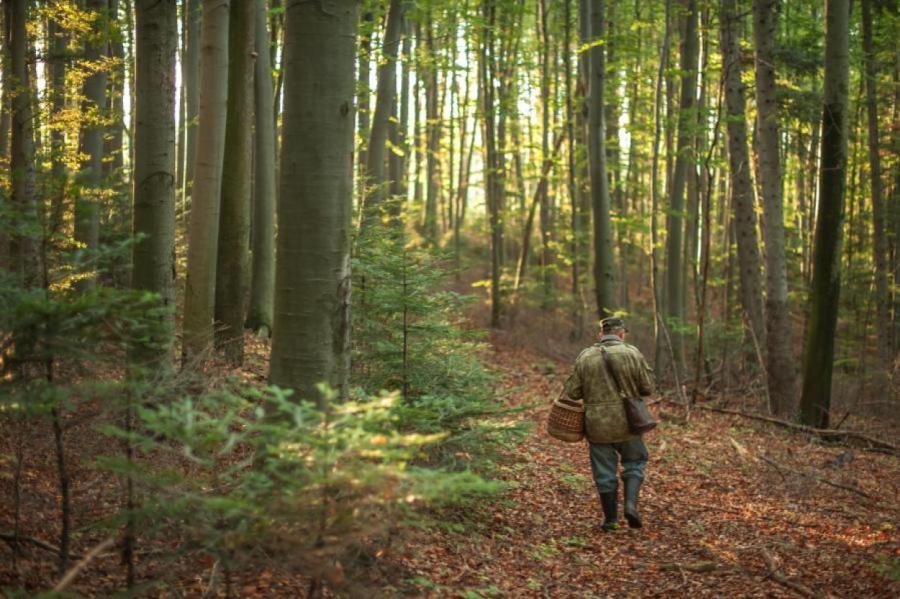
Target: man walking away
605, 423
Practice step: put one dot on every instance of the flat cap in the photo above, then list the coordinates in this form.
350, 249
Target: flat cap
612, 323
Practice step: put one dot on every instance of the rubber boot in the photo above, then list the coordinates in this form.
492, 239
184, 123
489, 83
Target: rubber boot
610, 505
632, 490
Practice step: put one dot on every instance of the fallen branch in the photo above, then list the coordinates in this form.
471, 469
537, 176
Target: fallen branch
12, 539
779, 467
66, 580
782, 579
819, 432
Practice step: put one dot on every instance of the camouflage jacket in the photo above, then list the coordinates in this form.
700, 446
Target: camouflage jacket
604, 418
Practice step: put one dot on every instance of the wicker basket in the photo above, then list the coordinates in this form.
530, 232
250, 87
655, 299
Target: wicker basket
566, 420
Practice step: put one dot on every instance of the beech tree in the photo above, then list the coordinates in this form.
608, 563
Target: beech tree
310, 341
778, 318
262, 287
604, 272
742, 195
232, 263
203, 229
818, 360
87, 215
24, 245
154, 154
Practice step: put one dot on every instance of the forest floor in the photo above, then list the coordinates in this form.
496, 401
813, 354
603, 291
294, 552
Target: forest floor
732, 508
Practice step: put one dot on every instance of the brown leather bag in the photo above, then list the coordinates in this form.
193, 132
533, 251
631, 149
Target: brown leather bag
636, 411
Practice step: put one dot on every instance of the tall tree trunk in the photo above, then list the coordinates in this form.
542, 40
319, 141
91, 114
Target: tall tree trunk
262, 288
604, 272
191, 82
87, 214
232, 264
683, 159
58, 172
385, 100
397, 169
742, 196
779, 356
433, 138
487, 71
363, 98
154, 160
879, 241
116, 89
654, 187
24, 246
311, 337
203, 228
577, 307
818, 359
548, 296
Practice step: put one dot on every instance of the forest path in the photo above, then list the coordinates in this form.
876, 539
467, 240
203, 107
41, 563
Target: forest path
719, 519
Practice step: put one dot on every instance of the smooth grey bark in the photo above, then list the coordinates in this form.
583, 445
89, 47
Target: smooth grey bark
58, 173
397, 163
742, 191
311, 336
232, 262
154, 160
433, 138
191, 81
203, 227
818, 360
879, 240
493, 181
24, 244
684, 157
116, 100
262, 287
548, 297
604, 270
385, 105
363, 98
779, 356
87, 215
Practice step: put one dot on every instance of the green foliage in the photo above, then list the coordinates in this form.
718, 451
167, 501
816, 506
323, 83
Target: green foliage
409, 336
241, 474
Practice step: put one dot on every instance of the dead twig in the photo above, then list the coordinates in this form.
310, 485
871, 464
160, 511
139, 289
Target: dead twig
823, 433
780, 578
779, 467
11, 540
67, 579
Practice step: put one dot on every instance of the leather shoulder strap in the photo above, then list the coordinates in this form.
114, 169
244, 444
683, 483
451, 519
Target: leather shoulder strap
607, 363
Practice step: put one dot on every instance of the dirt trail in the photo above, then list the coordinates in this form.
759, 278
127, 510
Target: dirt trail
719, 520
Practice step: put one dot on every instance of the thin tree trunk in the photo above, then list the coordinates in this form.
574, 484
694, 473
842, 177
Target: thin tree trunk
232, 263
487, 69
683, 159
87, 209
604, 271
779, 357
262, 288
385, 100
116, 92
203, 229
24, 245
547, 258
154, 166
311, 337
433, 139
818, 359
58, 172
577, 307
191, 83
879, 241
742, 196
654, 188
